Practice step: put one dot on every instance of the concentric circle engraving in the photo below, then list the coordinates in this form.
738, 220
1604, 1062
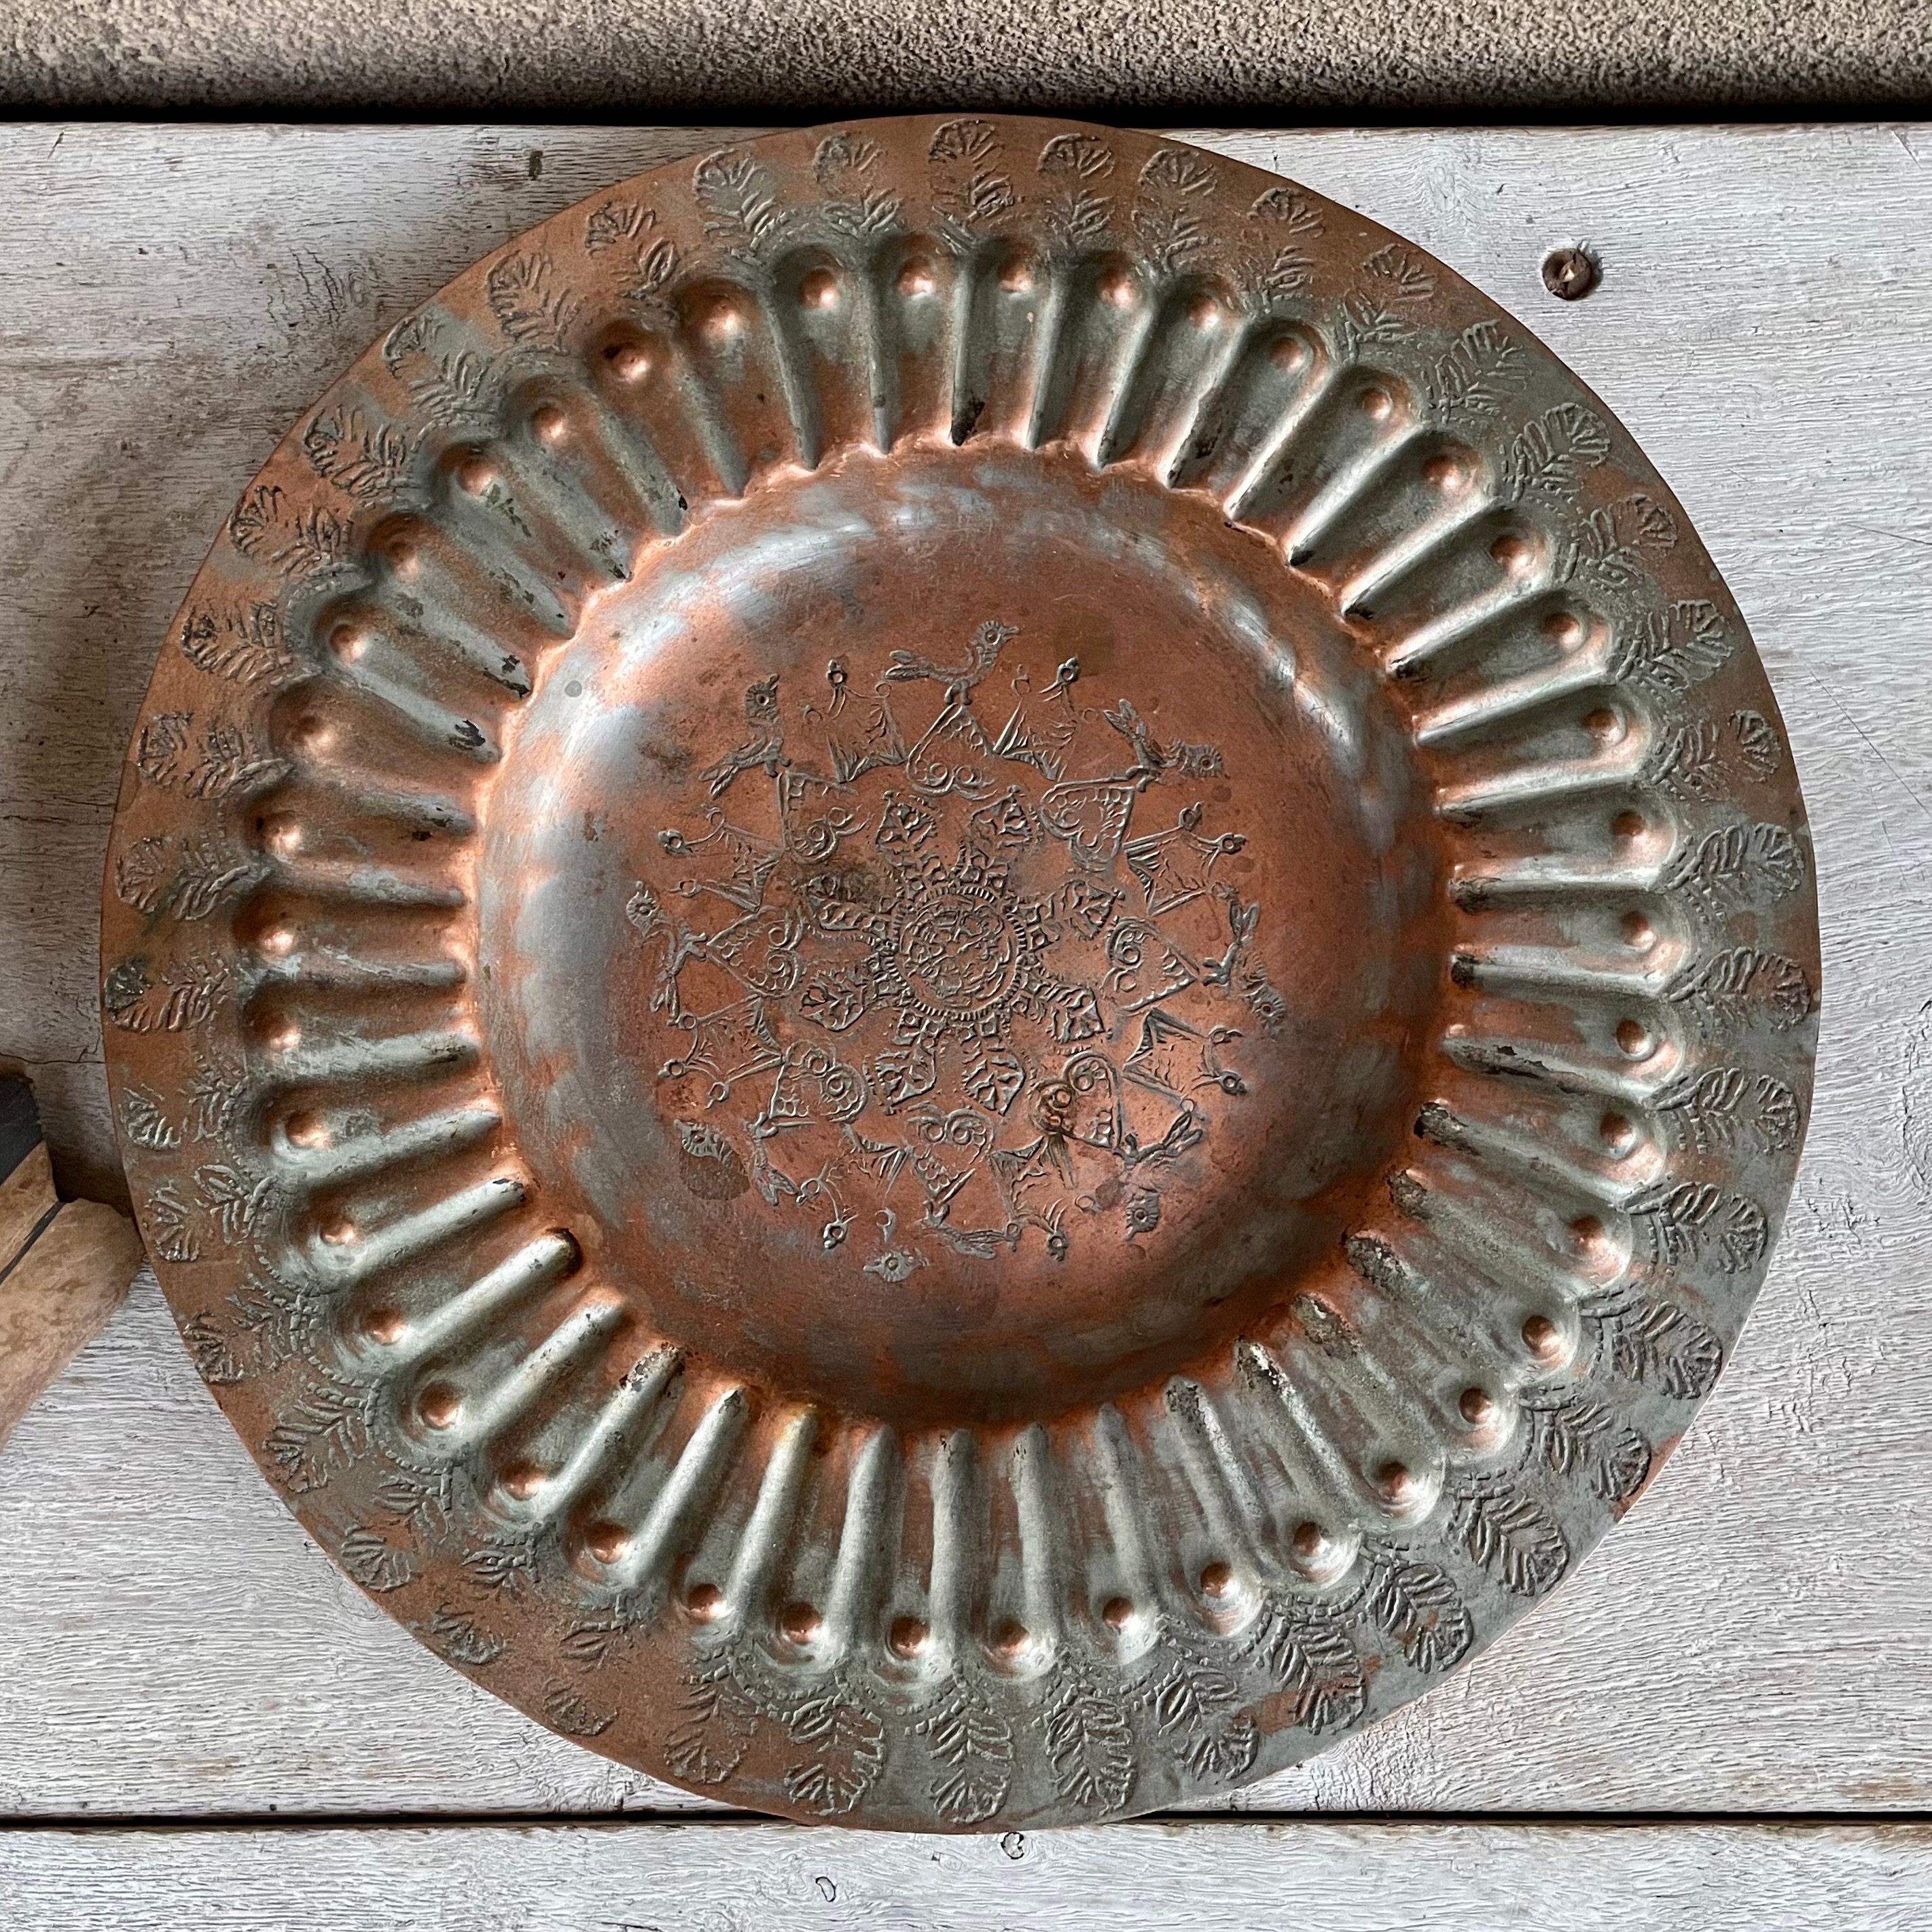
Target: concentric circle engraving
958, 971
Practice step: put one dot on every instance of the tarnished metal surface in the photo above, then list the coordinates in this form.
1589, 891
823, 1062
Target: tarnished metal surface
957, 970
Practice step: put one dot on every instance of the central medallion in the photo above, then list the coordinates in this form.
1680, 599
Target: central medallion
992, 949
948, 957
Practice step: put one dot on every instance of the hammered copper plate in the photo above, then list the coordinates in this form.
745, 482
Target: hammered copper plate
958, 971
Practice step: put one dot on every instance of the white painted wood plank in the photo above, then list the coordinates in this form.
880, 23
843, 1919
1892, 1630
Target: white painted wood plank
1753, 1637
773, 1878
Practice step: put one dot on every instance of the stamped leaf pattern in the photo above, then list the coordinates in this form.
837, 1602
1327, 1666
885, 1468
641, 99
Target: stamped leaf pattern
188, 880
1089, 1743
1685, 762
1189, 1697
457, 390
461, 1640
972, 1747
1684, 1221
565, 1709
169, 1223
1391, 289
245, 646
266, 528
1645, 1340
1549, 455
271, 1321
144, 1120
365, 459
1610, 547
375, 1564
617, 224
1728, 1107
1415, 1604
1727, 866
844, 1741
969, 141
716, 1723
1743, 986
1508, 1533
743, 211
846, 165
327, 1426
1476, 375
1760, 748
1306, 1648
1670, 651
181, 994
533, 302
1575, 1436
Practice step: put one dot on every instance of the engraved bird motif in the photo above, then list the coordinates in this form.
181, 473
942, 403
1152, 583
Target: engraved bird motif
988, 640
766, 745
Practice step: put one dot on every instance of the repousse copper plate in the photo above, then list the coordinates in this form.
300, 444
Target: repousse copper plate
958, 971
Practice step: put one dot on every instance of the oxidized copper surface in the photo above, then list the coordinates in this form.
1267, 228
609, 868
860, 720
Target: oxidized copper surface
958, 971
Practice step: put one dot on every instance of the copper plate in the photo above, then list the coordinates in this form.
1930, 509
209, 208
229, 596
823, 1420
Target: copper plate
958, 971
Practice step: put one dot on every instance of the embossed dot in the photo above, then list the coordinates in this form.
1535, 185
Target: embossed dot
1620, 1135
606, 1541
1309, 1542
307, 1130
723, 320
1010, 1638
1563, 629
916, 278
1116, 1612
1289, 354
277, 941
385, 1325
276, 1030
1635, 1040
1604, 725
348, 642
523, 1480
1638, 932
1543, 1338
1119, 288
1016, 278
1216, 1579
475, 475
1397, 1482
1376, 404
311, 734
1513, 553
1627, 827
1477, 1407
799, 1622
549, 423
282, 834
1446, 474
403, 555
630, 361
907, 1636
338, 1232
705, 1601
439, 1407
819, 289
1587, 1233
1203, 312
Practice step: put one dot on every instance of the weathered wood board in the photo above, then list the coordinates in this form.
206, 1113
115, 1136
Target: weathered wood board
635, 1877
1753, 1639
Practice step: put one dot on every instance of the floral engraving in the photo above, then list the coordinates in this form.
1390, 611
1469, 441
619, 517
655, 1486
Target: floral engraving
951, 982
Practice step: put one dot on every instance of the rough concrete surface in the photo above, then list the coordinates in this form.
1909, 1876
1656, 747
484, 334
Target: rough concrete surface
1280, 59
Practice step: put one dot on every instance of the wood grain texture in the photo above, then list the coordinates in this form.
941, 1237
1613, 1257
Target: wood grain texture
1752, 1638
57, 1297
776, 1878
